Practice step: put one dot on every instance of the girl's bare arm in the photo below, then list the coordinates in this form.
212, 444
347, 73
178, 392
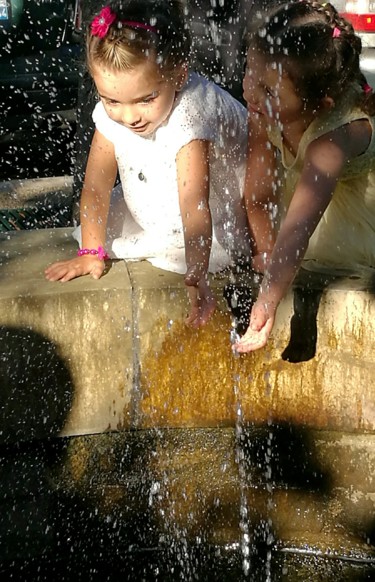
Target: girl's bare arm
100, 176
324, 163
260, 193
193, 187
192, 163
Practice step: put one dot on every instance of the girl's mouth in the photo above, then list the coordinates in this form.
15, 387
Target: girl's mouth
139, 128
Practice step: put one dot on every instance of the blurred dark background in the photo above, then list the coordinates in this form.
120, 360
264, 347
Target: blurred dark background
40, 46
46, 97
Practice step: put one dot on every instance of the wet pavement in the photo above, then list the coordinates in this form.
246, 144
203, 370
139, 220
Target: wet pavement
93, 509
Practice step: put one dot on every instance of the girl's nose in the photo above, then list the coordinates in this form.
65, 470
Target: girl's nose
130, 116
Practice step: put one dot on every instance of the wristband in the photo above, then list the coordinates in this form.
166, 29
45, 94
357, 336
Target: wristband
102, 253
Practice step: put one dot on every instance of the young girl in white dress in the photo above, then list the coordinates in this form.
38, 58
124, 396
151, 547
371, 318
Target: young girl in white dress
178, 143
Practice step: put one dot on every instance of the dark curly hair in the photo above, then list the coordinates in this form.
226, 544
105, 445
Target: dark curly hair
124, 47
317, 48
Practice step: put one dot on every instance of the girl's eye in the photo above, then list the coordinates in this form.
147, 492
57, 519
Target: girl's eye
150, 98
111, 103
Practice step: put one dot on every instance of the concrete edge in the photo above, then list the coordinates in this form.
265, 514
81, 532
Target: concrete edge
36, 191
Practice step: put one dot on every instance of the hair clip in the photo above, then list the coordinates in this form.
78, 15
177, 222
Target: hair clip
366, 88
133, 24
336, 32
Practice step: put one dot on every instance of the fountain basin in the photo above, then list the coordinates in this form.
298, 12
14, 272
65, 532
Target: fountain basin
116, 410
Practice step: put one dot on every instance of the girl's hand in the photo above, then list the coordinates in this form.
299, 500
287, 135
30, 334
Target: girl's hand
261, 323
66, 270
202, 300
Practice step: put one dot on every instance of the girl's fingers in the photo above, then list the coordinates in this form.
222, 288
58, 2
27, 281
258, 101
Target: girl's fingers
67, 270
201, 314
97, 271
203, 304
254, 339
56, 272
251, 342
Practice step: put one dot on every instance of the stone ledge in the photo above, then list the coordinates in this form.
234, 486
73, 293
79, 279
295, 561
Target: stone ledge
67, 349
39, 192
89, 356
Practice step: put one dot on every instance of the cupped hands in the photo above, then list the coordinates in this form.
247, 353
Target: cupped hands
261, 323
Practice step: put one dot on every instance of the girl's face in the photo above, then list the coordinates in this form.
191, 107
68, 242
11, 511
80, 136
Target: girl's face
140, 99
269, 91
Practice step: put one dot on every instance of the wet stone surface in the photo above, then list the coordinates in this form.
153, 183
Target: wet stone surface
176, 505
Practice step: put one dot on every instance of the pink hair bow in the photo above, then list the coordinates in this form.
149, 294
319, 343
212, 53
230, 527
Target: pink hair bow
101, 23
336, 32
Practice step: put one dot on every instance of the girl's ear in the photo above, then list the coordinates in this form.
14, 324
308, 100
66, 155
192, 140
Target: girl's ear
182, 76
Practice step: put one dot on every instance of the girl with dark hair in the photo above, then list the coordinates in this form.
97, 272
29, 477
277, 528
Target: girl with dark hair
313, 111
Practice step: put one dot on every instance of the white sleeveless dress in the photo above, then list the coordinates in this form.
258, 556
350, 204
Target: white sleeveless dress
145, 220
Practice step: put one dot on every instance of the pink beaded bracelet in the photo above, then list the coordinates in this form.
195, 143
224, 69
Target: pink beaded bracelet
102, 254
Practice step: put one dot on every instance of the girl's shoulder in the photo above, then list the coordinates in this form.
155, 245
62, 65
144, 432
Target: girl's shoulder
343, 121
200, 95
343, 113
205, 111
341, 126
325, 124
198, 83
99, 115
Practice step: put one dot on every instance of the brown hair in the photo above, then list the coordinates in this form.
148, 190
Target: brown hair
317, 48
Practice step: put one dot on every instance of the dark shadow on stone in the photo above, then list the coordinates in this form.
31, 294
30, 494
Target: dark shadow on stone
81, 517
283, 456
303, 326
240, 301
371, 283
308, 288
36, 388
240, 293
